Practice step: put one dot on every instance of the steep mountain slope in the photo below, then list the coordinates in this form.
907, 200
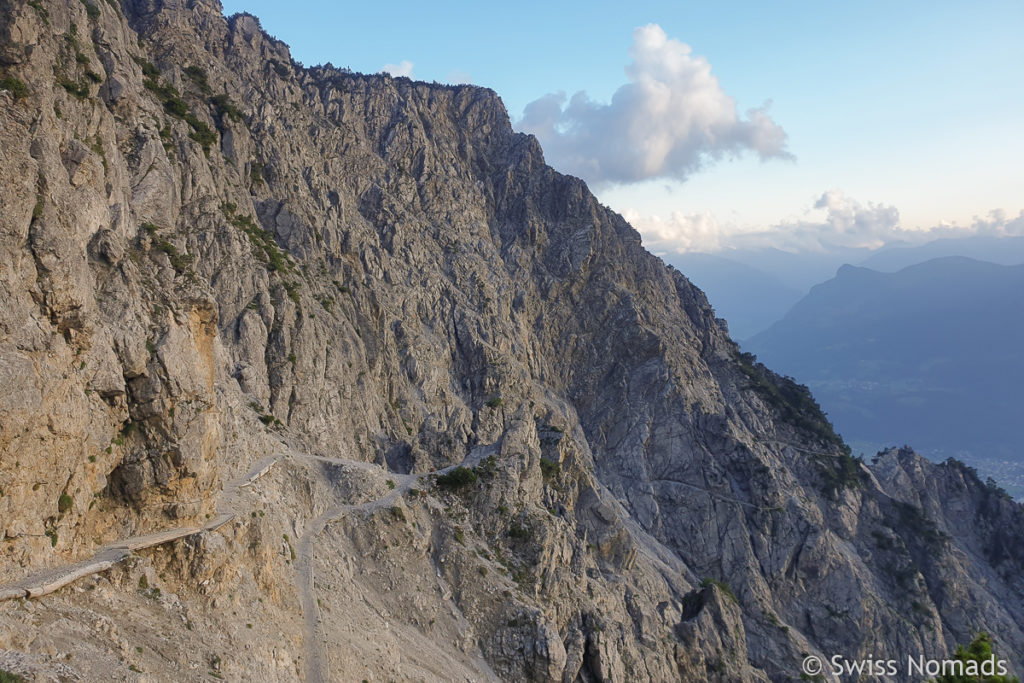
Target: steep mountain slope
930, 355
217, 264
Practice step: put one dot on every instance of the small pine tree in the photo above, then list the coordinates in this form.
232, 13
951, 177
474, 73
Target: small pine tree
980, 650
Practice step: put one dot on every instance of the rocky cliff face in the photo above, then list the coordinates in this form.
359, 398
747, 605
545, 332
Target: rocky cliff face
213, 258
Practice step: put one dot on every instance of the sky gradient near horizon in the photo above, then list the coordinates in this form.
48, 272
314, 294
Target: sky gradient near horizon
712, 125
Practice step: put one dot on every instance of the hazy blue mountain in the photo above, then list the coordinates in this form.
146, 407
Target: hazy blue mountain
932, 355
753, 288
797, 270
748, 298
1007, 251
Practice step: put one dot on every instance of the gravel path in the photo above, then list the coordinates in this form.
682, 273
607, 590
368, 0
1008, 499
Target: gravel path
48, 580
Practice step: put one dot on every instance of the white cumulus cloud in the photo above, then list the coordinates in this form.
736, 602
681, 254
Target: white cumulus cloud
996, 224
403, 68
848, 223
669, 120
835, 221
680, 232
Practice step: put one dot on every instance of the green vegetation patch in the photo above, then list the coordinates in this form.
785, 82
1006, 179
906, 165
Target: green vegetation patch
91, 10
976, 658
458, 478
841, 472
280, 69
487, 467
14, 86
256, 173
292, 288
549, 468
265, 243
76, 89
44, 14
198, 75
520, 532
971, 475
225, 107
914, 519
169, 96
721, 585
179, 261
149, 71
794, 401
201, 132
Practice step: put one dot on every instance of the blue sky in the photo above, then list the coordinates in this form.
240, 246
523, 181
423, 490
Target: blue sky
895, 116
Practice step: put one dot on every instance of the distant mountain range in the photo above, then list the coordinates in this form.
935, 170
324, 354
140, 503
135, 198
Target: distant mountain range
1007, 251
754, 288
932, 355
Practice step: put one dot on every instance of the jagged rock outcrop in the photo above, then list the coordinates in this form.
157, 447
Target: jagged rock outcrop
212, 255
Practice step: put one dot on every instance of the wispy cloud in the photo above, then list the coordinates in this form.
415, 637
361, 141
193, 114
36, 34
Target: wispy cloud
458, 77
403, 68
834, 221
668, 121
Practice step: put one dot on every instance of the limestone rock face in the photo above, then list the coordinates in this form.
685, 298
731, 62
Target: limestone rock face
212, 258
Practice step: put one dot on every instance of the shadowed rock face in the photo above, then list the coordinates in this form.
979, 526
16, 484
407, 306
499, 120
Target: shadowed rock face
211, 255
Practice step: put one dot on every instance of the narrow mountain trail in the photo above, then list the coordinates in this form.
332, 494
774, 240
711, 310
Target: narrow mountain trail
46, 581
718, 496
316, 660
800, 449
51, 579
317, 663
